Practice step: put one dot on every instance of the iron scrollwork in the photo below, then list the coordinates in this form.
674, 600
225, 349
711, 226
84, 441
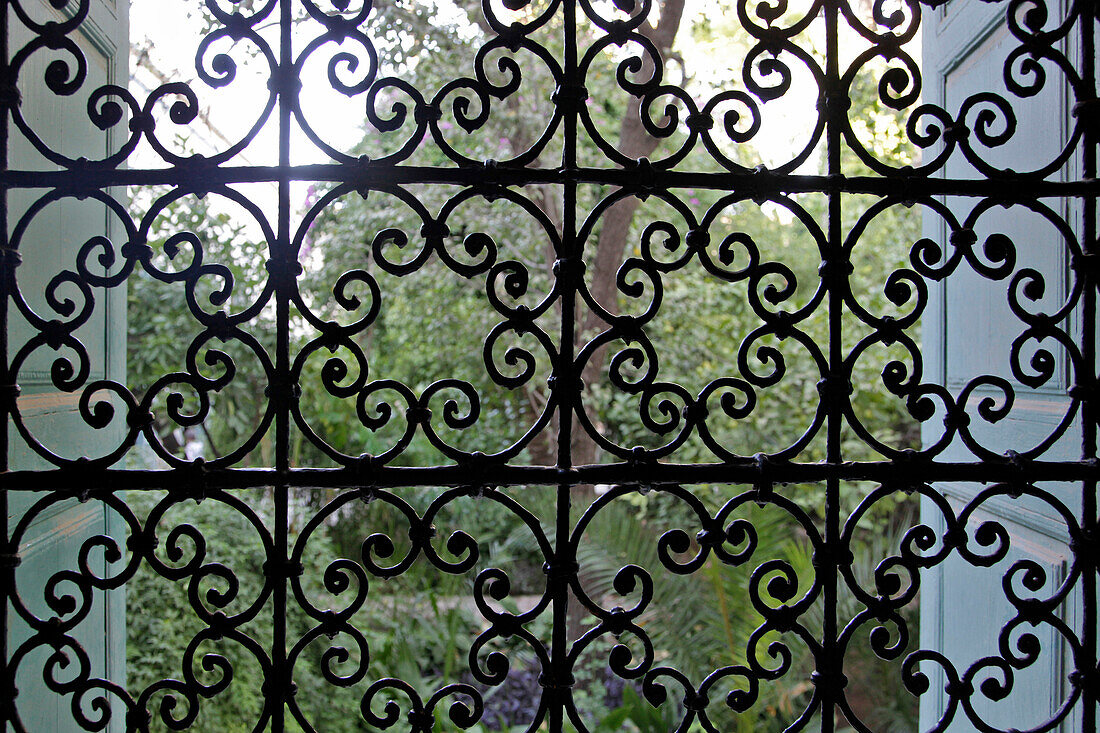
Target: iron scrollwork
518, 225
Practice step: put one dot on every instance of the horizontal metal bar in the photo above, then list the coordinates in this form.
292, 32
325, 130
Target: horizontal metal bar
369, 175
748, 473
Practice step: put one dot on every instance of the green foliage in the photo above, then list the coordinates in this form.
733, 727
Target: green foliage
432, 325
637, 715
411, 630
162, 325
698, 622
875, 689
161, 624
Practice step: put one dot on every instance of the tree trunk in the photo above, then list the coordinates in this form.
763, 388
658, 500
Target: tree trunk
634, 142
602, 265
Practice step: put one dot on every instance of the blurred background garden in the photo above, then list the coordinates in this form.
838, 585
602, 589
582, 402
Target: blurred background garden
421, 624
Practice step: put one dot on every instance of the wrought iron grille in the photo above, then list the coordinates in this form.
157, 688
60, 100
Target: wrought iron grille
582, 333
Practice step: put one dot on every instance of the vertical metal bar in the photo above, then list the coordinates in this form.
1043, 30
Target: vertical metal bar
829, 668
566, 380
1089, 411
282, 272
7, 381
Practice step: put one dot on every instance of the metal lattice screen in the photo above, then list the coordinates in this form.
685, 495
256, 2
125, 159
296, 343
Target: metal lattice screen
626, 371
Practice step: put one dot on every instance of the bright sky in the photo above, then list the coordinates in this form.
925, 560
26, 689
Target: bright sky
169, 33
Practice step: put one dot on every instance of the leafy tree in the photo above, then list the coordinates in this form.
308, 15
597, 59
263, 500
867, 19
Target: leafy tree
201, 259
161, 624
444, 309
433, 321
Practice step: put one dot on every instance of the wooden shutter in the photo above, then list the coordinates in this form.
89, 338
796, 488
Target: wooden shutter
50, 537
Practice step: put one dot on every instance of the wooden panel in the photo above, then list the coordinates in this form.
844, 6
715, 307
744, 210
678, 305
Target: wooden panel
968, 332
53, 539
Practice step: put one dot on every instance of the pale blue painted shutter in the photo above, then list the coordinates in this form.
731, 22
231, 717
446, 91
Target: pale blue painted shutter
52, 538
968, 332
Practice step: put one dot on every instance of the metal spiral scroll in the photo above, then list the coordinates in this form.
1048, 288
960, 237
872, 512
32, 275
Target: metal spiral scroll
560, 51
